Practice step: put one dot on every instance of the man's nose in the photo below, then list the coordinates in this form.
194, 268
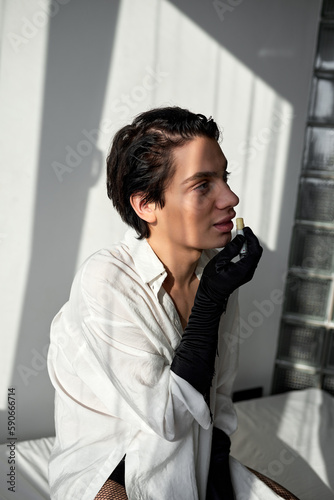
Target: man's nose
226, 197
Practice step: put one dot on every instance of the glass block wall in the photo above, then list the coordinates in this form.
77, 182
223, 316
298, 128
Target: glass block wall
305, 354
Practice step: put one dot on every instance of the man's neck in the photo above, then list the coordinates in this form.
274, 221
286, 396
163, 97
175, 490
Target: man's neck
180, 263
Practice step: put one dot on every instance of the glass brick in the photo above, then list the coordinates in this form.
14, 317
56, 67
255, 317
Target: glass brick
330, 358
301, 344
325, 52
319, 152
312, 249
322, 102
307, 296
328, 9
316, 200
289, 379
328, 384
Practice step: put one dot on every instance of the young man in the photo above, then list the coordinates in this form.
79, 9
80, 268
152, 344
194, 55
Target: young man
140, 355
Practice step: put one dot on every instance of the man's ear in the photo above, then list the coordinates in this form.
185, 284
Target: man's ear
144, 210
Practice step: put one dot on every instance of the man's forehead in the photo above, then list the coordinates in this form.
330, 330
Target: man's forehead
198, 161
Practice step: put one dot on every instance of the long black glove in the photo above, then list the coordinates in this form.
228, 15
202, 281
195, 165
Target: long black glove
195, 356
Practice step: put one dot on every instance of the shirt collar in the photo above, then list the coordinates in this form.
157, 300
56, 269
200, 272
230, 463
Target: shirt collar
149, 266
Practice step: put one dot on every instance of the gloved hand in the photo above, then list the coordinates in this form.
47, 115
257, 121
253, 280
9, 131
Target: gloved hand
195, 356
221, 276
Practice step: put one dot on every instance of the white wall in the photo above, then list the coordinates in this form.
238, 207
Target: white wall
73, 72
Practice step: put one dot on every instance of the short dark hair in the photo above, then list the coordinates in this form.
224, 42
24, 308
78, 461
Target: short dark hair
141, 160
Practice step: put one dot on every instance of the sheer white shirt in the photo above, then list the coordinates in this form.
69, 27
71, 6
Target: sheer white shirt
109, 360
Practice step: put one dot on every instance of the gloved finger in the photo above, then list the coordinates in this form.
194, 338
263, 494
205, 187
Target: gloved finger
226, 256
231, 250
253, 245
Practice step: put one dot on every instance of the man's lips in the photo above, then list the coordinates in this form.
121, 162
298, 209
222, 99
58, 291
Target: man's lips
224, 225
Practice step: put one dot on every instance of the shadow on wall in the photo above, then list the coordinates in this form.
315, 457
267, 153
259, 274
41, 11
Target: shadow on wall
78, 58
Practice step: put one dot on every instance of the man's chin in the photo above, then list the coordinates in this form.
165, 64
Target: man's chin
220, 242
225, 239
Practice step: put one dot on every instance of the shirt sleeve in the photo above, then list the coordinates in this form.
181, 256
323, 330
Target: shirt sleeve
120, 347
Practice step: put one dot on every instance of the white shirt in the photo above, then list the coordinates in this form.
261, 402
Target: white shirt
109, 360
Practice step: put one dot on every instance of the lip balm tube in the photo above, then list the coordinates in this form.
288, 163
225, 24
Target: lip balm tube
240, 230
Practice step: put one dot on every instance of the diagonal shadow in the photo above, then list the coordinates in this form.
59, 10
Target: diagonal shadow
79, 52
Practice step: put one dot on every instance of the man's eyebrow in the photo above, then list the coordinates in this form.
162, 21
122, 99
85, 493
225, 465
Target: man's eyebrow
200, 175
204, 174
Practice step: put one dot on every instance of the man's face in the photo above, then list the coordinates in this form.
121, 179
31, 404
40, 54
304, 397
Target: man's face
198, 208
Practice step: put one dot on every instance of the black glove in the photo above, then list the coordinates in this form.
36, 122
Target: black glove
219, 483
195, 356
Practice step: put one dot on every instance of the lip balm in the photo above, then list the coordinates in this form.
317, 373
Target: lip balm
240, 230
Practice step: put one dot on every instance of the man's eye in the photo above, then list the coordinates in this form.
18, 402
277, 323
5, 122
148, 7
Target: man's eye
203, 186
